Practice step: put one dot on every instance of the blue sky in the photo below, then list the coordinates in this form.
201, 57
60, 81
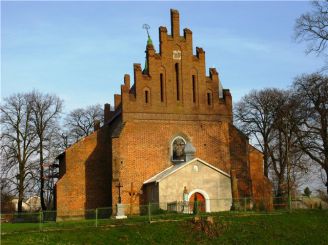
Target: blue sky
81, 50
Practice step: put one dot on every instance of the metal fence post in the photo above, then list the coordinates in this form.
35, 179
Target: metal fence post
40, 220
96, 217
245, 201
149, 213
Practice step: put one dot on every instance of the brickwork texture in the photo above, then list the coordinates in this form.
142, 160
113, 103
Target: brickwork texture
172, 96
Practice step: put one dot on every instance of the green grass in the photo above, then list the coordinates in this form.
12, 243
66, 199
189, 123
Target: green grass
299, 227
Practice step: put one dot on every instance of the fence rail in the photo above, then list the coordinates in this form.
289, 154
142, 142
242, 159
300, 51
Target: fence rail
152, 212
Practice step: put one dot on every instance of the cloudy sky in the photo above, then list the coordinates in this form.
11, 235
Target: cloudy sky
81, 50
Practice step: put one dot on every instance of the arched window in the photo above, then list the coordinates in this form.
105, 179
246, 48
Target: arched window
177, 80
209, 98
194, 88
162, 87
178, 149
146, 98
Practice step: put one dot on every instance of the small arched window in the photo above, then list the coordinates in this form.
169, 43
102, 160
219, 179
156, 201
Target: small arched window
162, 87
209, 98
177, 81
146, 95
194, 88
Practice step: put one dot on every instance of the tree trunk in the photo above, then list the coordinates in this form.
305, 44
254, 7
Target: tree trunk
280, 191
326, 170
43, 205
265, 160
20, 193
19, 205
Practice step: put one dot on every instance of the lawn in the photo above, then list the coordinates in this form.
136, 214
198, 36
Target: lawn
298, 227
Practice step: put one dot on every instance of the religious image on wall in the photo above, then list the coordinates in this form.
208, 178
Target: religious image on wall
179, 150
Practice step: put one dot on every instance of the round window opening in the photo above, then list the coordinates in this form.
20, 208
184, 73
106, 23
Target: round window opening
178, 150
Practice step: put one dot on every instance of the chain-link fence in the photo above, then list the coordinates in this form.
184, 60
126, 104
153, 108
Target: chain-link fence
151, 212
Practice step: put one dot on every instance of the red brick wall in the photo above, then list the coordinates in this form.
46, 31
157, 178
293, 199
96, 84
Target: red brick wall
144, 148
239, 161
133, 99
136, 146
86, 182
261, 186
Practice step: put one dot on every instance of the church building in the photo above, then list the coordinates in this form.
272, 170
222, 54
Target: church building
170, 139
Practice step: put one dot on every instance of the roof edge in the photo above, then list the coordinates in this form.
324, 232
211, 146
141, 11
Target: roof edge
182, 166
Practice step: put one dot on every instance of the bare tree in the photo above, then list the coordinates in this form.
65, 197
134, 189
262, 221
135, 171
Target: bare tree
313, 27
271, 117
18, 144
80, 122
46, 110
286, 158
65, 139
51, 167
6, 196
312, 133
255, 115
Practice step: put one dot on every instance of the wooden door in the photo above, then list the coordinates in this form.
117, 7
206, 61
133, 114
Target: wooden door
201, 202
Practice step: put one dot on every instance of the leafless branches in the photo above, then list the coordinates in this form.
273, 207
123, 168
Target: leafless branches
80, 122
255, 115
291, 127
46, 109
28, 126
313, 27
18, 144
312, 133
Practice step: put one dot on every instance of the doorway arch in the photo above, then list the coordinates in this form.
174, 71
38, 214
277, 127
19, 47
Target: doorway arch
205, 195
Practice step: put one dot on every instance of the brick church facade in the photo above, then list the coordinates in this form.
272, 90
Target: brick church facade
171, 134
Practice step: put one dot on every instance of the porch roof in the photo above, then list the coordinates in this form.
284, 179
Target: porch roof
172, 169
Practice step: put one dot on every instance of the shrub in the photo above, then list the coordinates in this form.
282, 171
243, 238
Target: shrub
307, 192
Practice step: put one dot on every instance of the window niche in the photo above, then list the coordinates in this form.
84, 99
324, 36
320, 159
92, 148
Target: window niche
146, 98
161, 85
178, 150
194, 88
177, 80
209, 98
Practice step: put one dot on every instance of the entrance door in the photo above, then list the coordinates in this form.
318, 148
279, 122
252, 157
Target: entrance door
201, 202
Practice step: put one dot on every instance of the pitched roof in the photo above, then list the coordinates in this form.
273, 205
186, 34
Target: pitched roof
158, 177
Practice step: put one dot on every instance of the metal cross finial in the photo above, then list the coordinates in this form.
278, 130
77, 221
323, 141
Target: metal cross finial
147, 27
